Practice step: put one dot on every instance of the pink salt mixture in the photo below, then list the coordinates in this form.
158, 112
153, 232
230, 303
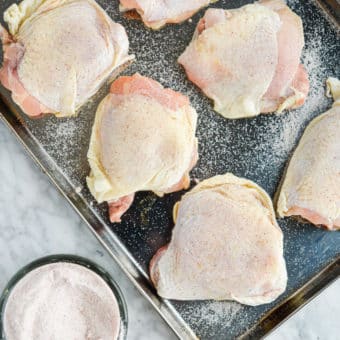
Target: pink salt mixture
61, 301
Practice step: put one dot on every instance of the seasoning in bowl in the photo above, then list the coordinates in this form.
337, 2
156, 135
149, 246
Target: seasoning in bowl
61, 300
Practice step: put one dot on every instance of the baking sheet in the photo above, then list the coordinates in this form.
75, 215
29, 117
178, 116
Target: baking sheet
256, 148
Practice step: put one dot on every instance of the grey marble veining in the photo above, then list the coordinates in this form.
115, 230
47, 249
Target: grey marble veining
36, 221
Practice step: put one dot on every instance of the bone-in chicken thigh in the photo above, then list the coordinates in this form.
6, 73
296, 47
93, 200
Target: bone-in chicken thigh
58, 54
226, 245
143, 138
311, 187
248, 59
156, 14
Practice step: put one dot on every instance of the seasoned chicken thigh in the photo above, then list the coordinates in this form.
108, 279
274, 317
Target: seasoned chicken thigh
143, 138
156, 14
311, 186
59, 53
248, 59
226, 245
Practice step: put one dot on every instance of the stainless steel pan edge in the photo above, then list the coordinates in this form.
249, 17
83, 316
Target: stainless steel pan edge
332, 7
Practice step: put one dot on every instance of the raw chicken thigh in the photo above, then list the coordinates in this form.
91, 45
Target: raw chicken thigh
143, 138
248, 59
226, 245
311, 187
58, 54
156, 14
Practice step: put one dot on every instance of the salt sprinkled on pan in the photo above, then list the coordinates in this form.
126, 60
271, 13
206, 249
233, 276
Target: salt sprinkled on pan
62, 134
214, 313
66, 129
65, 141
315, 103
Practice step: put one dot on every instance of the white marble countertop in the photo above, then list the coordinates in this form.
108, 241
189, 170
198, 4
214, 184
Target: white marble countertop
35, 221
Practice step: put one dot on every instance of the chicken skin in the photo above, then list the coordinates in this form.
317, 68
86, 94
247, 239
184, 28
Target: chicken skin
226, 245
156, 14
247, 60
143, 138
59, 53
311, 186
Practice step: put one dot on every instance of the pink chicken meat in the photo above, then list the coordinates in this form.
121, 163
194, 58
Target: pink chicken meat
143, 138
226, 245
13, 53
290, 85
257, 67
73, 40
156, 14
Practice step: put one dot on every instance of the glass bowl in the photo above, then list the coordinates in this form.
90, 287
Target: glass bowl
70, 259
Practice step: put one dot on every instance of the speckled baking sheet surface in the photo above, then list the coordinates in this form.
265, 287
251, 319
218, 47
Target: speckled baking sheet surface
256, 148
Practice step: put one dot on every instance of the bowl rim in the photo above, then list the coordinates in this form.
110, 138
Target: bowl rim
68, 258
